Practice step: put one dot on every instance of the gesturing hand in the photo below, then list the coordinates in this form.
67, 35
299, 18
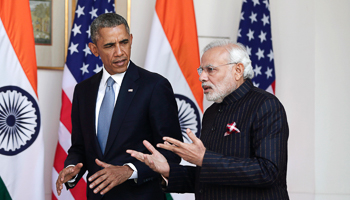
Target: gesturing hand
156, 161
192, 153
109, 177
67, 174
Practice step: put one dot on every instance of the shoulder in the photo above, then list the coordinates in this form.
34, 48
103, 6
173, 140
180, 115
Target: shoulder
150, 78
261, 96
144, 73
89, 83
266, 102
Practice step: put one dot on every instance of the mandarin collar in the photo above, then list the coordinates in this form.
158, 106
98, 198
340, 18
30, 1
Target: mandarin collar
239, 92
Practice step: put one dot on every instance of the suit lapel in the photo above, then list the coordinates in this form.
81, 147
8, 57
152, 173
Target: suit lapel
91, 113
127, 92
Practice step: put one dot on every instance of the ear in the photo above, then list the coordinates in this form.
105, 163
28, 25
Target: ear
93, 49
239, 68
131, 39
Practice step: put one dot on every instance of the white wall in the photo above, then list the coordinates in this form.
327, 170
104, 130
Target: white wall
310, 40
49, 91
293, 32
332, 97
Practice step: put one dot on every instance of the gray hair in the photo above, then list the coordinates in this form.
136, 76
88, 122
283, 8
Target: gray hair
237, 53
107, 20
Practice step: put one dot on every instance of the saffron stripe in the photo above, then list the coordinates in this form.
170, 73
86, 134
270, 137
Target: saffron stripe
183, 44
23, 44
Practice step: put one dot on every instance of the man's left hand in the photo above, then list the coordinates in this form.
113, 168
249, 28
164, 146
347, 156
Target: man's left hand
109, 177
192, 153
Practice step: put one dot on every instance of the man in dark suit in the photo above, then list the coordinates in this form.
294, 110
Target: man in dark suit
242, 151
141, 107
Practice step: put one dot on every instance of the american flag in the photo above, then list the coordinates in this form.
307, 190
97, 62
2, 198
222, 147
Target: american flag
255, 33
80, 65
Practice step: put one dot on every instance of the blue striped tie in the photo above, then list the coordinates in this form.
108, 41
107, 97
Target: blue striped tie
105, 115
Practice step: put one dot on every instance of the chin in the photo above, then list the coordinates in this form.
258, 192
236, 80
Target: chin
120, 70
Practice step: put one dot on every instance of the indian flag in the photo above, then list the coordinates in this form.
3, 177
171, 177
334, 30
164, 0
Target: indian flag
21, 141
173, 52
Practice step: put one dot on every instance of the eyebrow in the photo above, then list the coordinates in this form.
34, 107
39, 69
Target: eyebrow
109, 44
208, 65
113, 43
125, 40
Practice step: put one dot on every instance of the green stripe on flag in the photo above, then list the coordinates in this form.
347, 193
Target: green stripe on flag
4, 194
168, 196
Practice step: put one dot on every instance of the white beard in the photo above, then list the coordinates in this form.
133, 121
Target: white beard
220, 90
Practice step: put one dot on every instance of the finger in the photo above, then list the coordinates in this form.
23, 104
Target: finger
78, 166
108, 188
150, 147
179, 150
173, 141
96, 175
98, 183
101, 164
64, 172
58, 187
76, 169
167, 147
129, 151
138, 155
192, 136
167, 143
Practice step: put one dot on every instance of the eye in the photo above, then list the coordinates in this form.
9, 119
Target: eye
210, 69
124, 42
108, 45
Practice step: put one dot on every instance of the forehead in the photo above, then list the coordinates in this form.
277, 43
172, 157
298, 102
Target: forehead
216, 55
111, 33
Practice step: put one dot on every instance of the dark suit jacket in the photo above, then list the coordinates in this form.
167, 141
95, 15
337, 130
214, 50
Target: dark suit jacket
148, 112
251, 164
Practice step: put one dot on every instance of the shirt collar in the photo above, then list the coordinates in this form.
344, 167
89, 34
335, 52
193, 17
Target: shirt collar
118, 78
239, 92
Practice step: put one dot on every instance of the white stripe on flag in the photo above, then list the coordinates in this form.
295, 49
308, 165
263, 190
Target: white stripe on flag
68, 83
269, 89
159, 53
64, 137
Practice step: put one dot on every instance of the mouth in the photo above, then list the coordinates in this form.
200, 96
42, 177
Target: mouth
120, 63
206, 88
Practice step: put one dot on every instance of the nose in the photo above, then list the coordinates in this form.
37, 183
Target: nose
203, 77
118, 51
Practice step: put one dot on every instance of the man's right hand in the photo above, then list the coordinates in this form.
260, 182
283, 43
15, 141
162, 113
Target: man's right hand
67, 174
156, 161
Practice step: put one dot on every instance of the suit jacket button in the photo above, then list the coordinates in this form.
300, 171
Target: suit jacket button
200, 191
213, 129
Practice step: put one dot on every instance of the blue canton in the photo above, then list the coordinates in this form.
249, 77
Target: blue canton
255, 33
80, 61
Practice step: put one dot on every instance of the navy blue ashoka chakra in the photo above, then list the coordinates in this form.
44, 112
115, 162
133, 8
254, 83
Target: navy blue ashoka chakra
188, 116
19, 120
